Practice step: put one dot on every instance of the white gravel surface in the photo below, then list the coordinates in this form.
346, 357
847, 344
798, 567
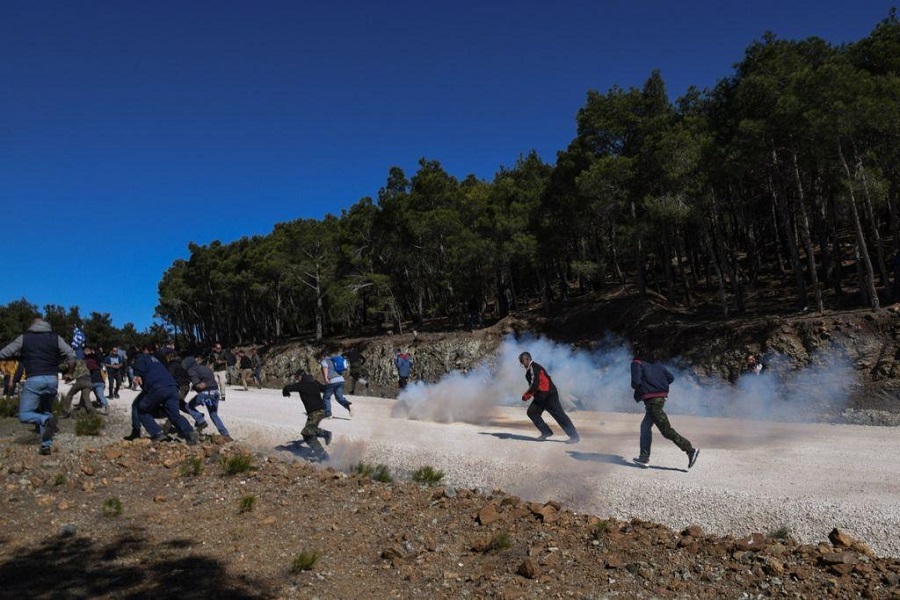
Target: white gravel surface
752, 476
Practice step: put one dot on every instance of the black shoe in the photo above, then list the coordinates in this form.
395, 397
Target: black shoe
135, 434
326, 435
201, 425
160, 437
45, 451
192, 438
693, 456
573, 440
643, 463
51, 426
544, 436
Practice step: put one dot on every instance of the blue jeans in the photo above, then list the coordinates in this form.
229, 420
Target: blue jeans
211, 401
36, 402
336, 388
168, 398
98, 389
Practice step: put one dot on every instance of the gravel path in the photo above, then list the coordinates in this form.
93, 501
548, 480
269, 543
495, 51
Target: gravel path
752, 476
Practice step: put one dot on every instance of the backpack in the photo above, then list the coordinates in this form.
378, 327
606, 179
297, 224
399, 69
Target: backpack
340, 364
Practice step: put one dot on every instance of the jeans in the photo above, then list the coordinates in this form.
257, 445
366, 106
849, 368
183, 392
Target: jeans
655, 415
336, 388
36, 402
115, 380
98, 389
167, 397
211, 401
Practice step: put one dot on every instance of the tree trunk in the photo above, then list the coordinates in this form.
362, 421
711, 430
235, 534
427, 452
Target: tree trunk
868, 275
789, 239
800, 207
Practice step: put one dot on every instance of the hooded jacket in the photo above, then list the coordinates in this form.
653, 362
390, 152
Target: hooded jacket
310, 393
650, 379
41, 350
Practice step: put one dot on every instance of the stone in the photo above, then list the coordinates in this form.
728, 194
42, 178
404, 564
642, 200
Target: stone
528, 569
488, 514
693, 531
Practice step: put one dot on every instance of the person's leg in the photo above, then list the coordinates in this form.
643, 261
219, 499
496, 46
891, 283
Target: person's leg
191, 409
118, 380
661, 420
98, 389
646, 433
170, 403
326, 397
220, 380
35, 389
534, 413
145, 405
311, 432
556, 411
339, 395
213, 409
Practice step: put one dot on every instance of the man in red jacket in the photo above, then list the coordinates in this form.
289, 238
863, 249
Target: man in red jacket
544, 396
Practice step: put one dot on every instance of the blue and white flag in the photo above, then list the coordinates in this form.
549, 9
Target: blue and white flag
78, 342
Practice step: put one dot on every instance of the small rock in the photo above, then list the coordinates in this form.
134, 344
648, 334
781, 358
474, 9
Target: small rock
87, 470
529, 569
68, 530
693, 531
488, 514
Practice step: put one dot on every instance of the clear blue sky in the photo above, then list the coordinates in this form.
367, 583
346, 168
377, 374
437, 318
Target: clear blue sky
129, 129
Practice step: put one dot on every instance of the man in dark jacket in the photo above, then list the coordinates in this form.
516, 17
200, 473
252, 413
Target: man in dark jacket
650, 380
40, 351
159, 388
203, 380
544, 396
311, 395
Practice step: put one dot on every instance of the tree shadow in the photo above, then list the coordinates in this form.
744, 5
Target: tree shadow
79, 567
615, 459
516, 436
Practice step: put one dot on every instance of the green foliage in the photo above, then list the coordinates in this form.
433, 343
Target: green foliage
781, 533
112, 507
501, 541
89, 424
427, 475
304, 561
601, 529
378, 472
9, 406
60, 479
238, 463
246, 504
192, 467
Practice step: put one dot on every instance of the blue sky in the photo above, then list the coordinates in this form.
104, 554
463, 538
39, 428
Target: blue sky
129, 129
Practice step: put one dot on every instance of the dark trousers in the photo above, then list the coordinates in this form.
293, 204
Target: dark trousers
549, 401
82, 384
115, 380
167, 398
655, 415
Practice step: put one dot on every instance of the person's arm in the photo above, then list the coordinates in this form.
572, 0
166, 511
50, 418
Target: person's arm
13, 348
669, 377
635, 374
324, 372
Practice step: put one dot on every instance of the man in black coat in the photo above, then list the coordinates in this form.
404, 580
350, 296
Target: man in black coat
310, 392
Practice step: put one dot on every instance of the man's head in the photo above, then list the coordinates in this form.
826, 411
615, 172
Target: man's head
525, 360
114, 350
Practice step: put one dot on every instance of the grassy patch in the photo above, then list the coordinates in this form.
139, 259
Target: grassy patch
782, 533
112, 507
88, 424
601, 529
379, 472
239, 463
427, 475
9, 406
60, 480
304, 561
246, 504
500, 541
192, 467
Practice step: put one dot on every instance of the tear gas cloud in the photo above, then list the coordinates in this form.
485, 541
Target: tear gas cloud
600, 380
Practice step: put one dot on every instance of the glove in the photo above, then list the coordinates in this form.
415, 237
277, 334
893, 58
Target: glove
285, 393
527, 396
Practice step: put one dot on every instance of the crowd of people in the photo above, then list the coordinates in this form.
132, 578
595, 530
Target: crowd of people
165, 379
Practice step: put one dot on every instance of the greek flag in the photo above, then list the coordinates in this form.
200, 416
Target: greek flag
78, 342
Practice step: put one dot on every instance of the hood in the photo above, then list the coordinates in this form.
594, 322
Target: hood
40, 326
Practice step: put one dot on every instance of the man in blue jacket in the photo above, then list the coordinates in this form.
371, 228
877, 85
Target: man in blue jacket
650, 381
159, 388
41, 351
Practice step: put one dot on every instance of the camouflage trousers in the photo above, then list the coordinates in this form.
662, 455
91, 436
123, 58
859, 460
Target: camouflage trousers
655, 415
312, 432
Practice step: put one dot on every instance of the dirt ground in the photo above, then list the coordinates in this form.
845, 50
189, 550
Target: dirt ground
105, 518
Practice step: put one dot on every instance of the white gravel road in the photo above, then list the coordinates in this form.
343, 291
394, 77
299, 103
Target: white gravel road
752, 476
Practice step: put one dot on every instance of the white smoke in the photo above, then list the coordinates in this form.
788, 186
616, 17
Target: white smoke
600, 380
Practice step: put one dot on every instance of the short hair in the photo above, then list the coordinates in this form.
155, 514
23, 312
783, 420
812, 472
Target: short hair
525, 355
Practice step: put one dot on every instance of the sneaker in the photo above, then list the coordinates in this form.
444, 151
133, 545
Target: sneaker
51, 426
544, 436
326, 435
160, 437
692, 457
192, 438
349, 410
201, 425
222, 397
135, 434
227, 438
643, 463
573, 440
45, 451
327, 414
104, 411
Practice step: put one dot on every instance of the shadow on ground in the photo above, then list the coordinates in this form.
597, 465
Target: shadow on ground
299, 449
129, 567
516, 436
615, 459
